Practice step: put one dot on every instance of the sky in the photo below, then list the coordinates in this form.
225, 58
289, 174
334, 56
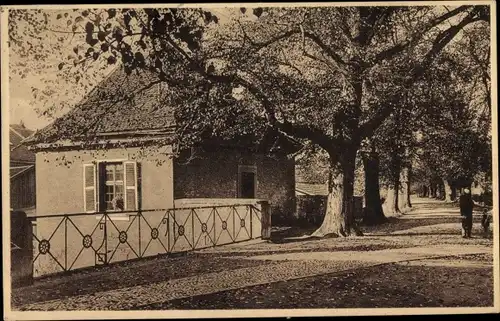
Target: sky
22, 104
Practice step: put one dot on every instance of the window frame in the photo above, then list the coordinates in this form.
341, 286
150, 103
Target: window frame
115, 215
105, 184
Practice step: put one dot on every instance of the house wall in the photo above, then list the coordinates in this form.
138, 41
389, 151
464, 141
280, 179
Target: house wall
214, 174
60, 187
60, 191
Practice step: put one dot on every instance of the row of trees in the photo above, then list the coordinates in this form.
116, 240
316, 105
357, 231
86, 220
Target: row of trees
339, 81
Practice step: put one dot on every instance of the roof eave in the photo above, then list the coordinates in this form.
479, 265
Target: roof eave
104, 142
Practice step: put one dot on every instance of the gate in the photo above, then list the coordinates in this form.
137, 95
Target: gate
72, 241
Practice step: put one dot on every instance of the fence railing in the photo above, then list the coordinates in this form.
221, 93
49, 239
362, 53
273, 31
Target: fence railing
71, 241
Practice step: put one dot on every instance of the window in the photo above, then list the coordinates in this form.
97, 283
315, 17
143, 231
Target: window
111, 186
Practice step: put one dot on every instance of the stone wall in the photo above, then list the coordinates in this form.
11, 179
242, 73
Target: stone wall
214, 174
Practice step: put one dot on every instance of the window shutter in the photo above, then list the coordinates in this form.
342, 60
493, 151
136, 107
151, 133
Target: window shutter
130, 186
139, 185
89, 188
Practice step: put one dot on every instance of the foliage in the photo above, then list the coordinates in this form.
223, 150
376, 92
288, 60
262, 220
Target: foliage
318, 95
456, 144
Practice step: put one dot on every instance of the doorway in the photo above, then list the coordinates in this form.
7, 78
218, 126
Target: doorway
247, 181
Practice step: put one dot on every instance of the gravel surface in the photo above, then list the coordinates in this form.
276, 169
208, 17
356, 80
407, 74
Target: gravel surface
310, 249
386, 286
130, 298
116, 277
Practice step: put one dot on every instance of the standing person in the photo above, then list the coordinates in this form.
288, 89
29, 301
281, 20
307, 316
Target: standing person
466, 206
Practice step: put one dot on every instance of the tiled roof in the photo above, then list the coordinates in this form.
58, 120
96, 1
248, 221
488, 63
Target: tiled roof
312, 189
106, 109
17, 133
106, 112
19, 152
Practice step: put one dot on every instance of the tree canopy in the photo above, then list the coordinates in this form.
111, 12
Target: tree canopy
327, 77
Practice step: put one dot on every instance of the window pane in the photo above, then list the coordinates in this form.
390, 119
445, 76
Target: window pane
109, 172
110, 189
119, 172
119, 190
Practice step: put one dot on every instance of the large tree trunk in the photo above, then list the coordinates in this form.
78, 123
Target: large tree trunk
333, 222
339, 216
374, 213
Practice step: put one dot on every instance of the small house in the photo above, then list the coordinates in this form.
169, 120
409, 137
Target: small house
117, 155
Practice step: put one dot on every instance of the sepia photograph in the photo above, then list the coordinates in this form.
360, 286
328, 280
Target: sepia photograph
249, 159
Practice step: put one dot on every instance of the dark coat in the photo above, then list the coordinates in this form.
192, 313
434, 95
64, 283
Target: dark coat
466, 205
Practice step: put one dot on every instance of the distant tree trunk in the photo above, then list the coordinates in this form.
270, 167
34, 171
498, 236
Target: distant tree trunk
442, 190
453, 192
425, 191
448, 191
339, 216
405, 187
433, 189
391, 207
374, 213
401, 196
408, 188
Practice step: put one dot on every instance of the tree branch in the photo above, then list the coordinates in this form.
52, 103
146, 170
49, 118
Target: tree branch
440, 42
332, 54
317, 40
312, 134
391, 52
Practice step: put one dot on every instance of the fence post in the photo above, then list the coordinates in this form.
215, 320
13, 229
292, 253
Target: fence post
21, 236
251, 222
215, 234
105, 238
266, 219
139, 214
192, 225
65, 243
